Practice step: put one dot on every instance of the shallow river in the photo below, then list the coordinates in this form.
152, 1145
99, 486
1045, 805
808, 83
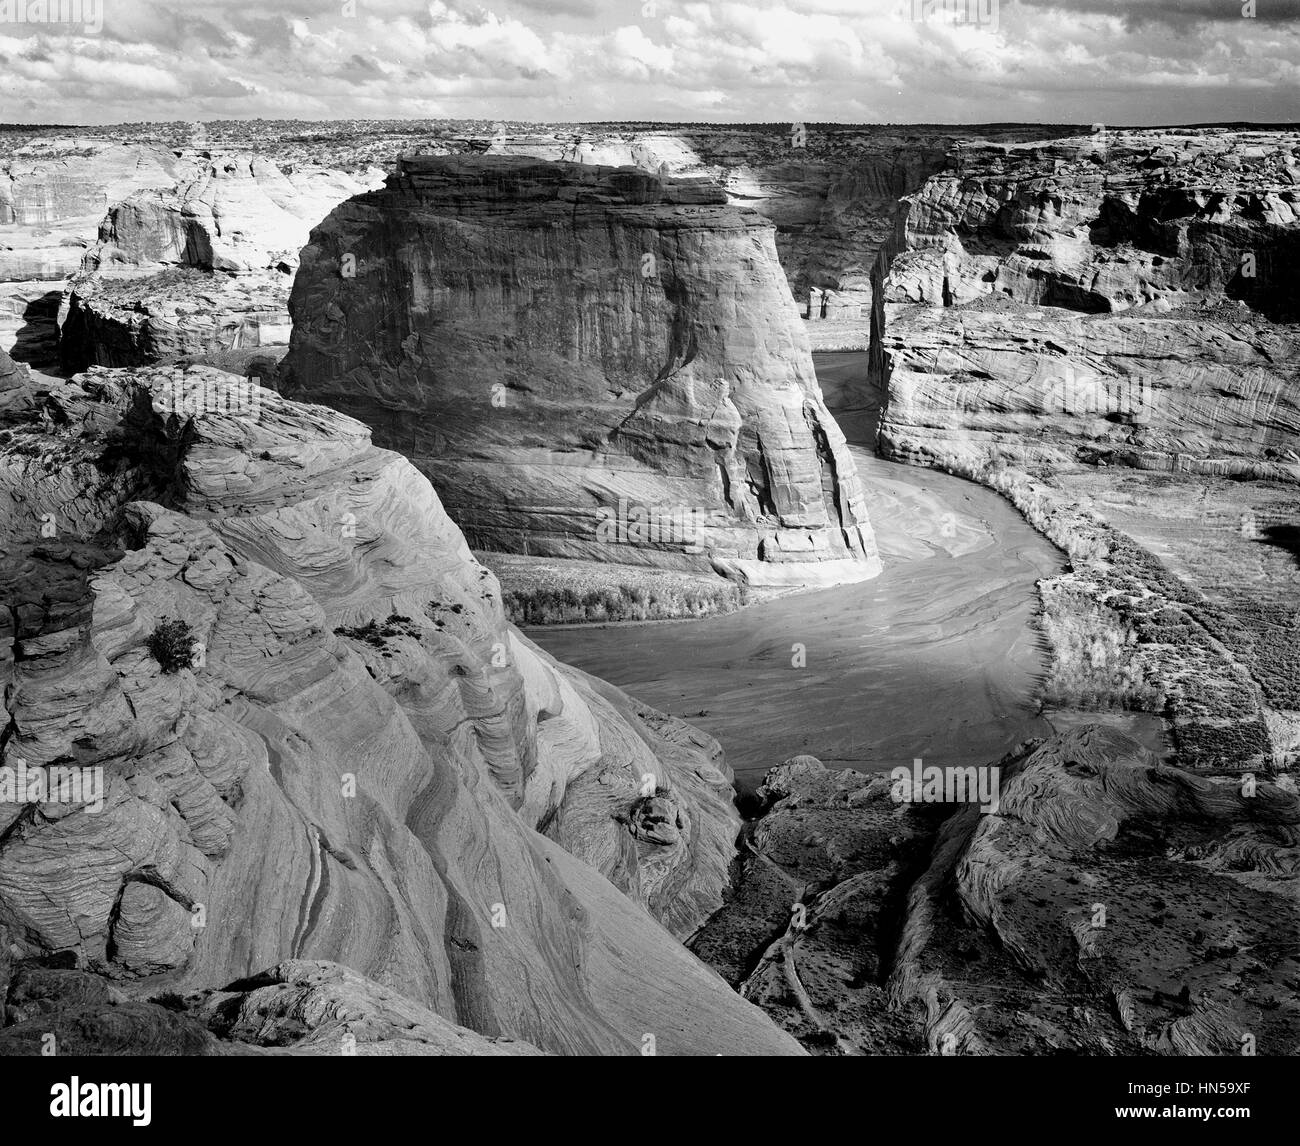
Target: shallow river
937, 658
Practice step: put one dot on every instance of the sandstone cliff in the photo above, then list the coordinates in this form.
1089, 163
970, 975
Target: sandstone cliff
200, 269
350, 756
831, 192
1119, 299
53, 194
588, 362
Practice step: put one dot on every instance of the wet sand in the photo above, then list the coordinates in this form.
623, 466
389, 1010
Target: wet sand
937, 658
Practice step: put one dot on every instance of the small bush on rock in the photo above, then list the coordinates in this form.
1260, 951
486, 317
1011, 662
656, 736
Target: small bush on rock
172, 644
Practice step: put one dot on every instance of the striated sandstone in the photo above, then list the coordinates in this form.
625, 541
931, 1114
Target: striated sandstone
554, 343
1121, 299
235, 222
363, 763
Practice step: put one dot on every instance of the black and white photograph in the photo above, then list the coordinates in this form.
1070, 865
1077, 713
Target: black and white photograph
650, 528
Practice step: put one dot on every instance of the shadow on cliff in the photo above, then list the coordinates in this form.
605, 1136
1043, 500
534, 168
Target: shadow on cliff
1285, 537
1271, 290
37, 341
853, 397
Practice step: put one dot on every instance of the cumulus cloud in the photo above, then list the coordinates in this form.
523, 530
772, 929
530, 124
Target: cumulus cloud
1074, 61
1180, 13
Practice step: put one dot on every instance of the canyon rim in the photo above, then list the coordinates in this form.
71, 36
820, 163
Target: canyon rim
547, 530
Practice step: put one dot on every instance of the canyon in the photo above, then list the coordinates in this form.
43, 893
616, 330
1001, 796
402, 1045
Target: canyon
1118, 300
355, 761
548, 341
1013, 408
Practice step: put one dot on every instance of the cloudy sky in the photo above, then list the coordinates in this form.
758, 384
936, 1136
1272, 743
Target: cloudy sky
868, 61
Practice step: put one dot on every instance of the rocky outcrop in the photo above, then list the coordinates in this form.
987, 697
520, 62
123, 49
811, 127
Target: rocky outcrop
53, 195
1119, 299
588, 362
1147, 924
13, 377
1104, 904
299, 1007
830, 190
200, 270
238, 213
343, 753
174, 314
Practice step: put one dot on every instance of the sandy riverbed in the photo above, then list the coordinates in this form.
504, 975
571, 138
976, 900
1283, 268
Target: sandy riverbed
937, 658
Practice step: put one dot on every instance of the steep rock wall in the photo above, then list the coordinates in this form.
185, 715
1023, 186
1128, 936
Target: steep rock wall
200, 270
53, 194
563, 347
1122, 299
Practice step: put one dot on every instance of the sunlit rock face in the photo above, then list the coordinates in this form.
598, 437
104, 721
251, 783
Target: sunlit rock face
53, 194
199, 269
830, 190
588, 362
350, 756
12, 375
1121, 299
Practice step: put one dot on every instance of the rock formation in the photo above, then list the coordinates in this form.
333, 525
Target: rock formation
53, 194
299, 1007
261, 705
13, 377
1108, 905
199, 269
830, 190
1120, 299
174, 314
589, 362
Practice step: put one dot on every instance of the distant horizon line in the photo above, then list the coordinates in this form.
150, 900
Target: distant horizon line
778, 123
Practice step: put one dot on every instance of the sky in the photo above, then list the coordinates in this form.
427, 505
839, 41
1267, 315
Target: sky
1120, 62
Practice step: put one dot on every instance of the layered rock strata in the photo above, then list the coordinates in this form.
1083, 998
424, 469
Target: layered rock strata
589, 362
1121, 299
53, 195
345, 754
199, 270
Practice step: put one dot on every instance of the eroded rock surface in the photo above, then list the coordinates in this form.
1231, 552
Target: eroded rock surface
1109, 905
299, 1007
1119, 299
201, 268
588, 362
350, 756
53, 194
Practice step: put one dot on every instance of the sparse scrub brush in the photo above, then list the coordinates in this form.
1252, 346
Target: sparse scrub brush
172, 644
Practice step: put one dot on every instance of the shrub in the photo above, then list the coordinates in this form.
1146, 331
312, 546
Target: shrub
172, 644
376, 635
